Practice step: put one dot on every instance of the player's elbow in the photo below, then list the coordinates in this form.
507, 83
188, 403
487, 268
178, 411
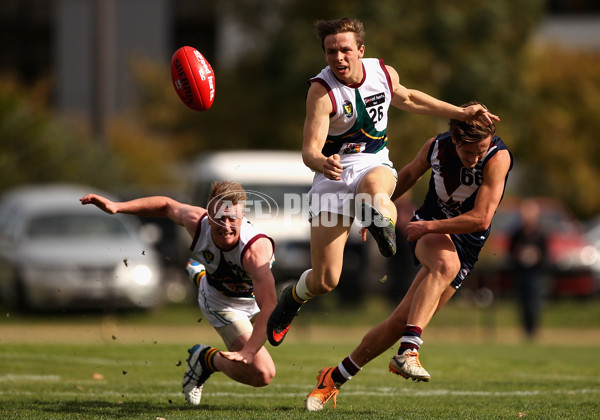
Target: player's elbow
482, 223
308, 157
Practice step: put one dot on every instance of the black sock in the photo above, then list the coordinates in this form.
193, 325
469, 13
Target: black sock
344, 372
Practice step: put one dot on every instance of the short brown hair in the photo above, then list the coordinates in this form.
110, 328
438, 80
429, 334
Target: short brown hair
338, 26
230, 191
470, 132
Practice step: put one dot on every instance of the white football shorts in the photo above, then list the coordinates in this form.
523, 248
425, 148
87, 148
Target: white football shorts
231, 317
338, 197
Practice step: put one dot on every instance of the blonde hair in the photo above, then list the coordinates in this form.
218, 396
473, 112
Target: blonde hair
230, 191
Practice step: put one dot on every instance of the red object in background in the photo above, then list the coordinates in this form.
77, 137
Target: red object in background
569, 272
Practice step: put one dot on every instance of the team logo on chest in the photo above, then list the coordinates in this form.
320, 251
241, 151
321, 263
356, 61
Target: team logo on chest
208, 256
348, 109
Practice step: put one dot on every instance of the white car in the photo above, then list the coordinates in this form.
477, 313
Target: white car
56, 253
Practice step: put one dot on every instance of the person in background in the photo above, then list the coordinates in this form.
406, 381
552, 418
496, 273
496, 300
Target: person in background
469, 169
529, 257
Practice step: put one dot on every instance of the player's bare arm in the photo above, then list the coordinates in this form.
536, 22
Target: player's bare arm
156, 206
486, 203
257, 262
418, 102
316, 125
187, 216
101, 202
410, 174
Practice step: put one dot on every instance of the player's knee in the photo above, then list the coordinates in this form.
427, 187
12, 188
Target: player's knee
263, 377
448, 267
327, 282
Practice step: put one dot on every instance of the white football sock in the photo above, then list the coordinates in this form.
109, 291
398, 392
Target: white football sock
301, 289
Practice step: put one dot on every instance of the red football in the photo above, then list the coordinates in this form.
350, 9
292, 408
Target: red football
193, 78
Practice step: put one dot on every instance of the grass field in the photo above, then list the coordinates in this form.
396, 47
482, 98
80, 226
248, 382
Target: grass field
130, 367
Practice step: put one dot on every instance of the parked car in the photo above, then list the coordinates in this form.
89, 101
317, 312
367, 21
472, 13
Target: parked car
277, 183
58, 254
571, 256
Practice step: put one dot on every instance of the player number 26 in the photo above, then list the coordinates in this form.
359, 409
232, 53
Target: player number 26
376, 114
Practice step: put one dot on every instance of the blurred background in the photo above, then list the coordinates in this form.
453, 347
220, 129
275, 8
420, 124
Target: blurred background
86, 98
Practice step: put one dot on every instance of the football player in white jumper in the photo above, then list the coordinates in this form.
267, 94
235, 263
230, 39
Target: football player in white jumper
345, 144
235, 282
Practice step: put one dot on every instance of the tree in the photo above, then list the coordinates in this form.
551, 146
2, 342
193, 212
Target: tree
38, 148
559, 130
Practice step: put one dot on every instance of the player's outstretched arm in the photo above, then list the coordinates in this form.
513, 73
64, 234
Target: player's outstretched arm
101, 202
155, 206
418, 102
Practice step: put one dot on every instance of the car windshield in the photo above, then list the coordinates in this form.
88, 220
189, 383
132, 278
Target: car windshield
74, 226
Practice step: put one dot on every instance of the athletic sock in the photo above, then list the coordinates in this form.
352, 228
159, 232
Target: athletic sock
295, 298
207, 359
344, 371
300, 292
411, 338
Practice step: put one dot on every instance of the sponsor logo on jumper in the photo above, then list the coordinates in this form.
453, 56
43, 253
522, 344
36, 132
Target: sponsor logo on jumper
376, 99
352, 148
451, 208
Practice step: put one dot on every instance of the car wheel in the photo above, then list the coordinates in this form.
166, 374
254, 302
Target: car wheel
21, 301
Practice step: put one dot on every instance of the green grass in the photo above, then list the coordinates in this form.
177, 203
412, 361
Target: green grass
555, 378
142, 381
459, 312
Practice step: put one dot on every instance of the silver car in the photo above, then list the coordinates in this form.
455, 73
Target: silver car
58, 254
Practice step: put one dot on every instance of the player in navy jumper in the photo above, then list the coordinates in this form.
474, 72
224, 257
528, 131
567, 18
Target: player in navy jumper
469, 169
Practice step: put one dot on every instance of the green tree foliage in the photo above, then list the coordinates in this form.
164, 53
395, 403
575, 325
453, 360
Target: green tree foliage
37, 148
559, 128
